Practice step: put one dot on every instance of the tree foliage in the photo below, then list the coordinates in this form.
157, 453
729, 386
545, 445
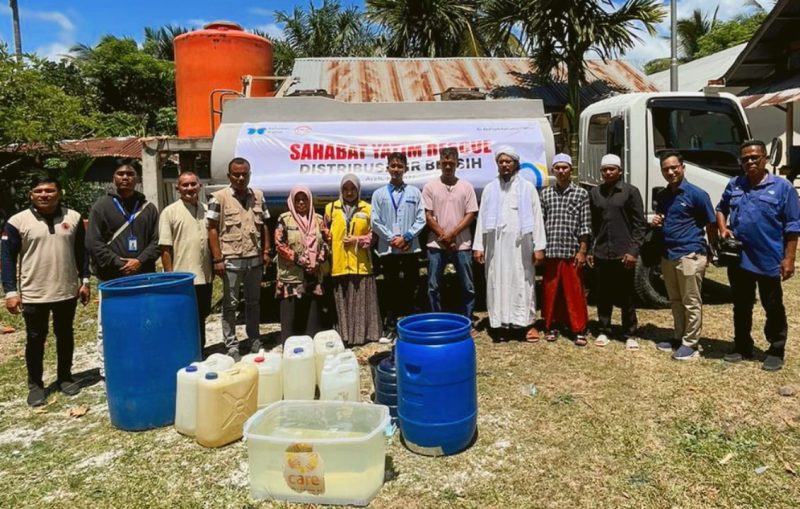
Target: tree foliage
559, 34
729, 33
35, 112
690, 30
158, 42
428, 28
325, 31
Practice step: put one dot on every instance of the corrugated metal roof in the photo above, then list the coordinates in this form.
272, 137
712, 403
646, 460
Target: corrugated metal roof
105, 147
424, 79
694, 76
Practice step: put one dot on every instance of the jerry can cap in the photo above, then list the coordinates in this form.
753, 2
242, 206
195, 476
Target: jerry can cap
211, 376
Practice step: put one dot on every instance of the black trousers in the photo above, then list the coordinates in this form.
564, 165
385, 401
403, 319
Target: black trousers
743, 286
300, 316
614, 285
400, 284
203, 293
37, 319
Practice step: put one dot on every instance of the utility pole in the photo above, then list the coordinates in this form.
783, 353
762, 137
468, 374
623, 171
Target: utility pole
673, 62
17, 33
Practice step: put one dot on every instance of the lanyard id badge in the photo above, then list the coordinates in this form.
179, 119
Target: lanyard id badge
132, 241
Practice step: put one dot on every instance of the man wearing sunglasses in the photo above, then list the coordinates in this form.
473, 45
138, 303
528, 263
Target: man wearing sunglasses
762, 211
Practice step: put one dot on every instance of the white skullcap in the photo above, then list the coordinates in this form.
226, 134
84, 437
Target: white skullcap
611, 160
561, 158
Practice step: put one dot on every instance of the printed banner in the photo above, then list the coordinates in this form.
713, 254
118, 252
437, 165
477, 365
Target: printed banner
318, 154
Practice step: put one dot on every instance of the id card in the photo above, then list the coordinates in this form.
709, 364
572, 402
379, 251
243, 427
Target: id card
396, 229
133, 244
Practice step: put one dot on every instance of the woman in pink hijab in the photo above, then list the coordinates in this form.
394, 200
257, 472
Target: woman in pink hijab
300, 242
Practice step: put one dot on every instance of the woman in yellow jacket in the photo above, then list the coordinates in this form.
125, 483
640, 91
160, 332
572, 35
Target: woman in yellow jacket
354, 288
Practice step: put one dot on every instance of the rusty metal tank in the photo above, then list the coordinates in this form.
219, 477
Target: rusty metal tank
214, 59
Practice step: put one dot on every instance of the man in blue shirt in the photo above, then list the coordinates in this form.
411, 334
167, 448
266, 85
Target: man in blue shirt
761, 211
398, 217
683, 212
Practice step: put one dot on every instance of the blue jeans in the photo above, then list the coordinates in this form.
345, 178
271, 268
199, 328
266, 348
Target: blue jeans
462, 260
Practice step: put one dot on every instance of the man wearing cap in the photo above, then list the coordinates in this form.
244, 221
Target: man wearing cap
618, 227
510, 240
567, 222
762, 212
685, 214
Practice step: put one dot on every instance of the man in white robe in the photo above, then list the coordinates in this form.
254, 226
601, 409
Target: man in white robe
510, 240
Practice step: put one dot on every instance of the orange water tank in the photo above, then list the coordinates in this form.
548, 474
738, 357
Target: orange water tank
216, 58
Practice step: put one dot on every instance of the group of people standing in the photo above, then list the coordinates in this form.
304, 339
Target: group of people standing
563, 228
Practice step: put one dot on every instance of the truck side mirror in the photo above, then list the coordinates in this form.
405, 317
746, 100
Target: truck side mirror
775, 152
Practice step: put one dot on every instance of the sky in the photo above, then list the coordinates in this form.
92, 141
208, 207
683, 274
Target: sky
50, 27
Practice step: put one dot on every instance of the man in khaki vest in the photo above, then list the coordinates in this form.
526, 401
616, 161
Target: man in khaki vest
240, 243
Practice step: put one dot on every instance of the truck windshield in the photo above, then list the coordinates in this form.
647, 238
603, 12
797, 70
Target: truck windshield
706, 130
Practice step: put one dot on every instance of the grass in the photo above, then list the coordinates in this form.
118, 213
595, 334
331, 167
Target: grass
606, 428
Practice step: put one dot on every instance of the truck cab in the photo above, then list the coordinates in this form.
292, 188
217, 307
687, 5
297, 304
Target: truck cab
707, 129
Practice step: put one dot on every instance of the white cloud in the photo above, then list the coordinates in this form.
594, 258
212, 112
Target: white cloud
64, 35
54, 51
272, 29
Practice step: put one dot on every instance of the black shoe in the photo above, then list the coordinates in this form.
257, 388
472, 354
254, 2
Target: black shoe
36, 395
69, 387
735, 357
772, 363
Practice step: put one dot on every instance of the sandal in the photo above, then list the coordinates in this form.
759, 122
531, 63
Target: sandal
580, 340
532, 336
601, 340
631, 344
551, 336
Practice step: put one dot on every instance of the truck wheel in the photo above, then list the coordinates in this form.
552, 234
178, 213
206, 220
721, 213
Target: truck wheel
649, 286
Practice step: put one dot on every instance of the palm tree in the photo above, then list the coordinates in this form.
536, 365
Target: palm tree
325, 31
158, 42
429, 28
558, 35
691, 29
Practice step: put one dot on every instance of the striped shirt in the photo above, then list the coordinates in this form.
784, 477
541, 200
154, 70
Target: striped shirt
567, 220
407, 220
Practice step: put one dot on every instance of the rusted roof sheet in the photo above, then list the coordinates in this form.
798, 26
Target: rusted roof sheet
771, 99
424, 79
105, 147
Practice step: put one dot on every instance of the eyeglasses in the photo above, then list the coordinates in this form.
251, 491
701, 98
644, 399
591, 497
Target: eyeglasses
750, 159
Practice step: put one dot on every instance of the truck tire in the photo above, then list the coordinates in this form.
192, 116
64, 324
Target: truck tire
649, 286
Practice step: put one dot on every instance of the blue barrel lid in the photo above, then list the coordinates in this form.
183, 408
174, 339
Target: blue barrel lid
139, 282
191, 369
211, 376
298, 349
434, 328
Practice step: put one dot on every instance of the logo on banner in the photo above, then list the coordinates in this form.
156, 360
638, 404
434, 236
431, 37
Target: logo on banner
260, 131
302, 130
532, 172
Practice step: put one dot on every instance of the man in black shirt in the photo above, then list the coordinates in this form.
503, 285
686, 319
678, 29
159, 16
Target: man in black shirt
619, 227
122, 238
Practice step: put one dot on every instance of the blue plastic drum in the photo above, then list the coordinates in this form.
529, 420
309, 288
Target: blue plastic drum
436, 386
150, 331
